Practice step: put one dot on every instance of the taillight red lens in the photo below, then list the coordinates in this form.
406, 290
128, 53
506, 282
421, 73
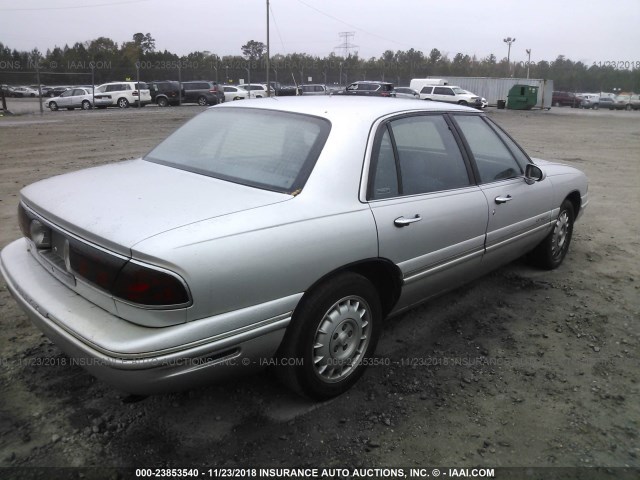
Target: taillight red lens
146, 286
97, 267
24, 221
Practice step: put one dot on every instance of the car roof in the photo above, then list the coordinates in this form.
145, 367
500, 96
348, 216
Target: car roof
338, 106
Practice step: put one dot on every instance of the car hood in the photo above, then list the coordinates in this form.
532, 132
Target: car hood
121, 204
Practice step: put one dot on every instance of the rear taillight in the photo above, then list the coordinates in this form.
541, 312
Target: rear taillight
213, 90
142, 285
135, 93
124, 279
24, 221
96, 266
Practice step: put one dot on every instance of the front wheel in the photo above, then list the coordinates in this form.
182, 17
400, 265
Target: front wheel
53, 106
332, 337
552, 250
463, 103
123, 103
86, 105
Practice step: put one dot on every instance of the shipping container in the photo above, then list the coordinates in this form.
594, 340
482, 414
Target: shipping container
494, 89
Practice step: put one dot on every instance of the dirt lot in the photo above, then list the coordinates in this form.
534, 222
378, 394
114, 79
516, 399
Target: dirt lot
521, 368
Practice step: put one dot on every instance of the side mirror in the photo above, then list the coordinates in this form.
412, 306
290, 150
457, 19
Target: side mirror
533, 173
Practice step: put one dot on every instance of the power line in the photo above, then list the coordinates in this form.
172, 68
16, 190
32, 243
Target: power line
276, 25
355, 27
73, 7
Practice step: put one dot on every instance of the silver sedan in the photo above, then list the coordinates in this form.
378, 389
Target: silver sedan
75, 98
219, 253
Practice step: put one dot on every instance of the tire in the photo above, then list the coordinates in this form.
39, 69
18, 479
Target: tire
550, 253
463, 103
162, 102
596, 106
334, 332
122, 103
628, 108
202, 101
557, 104
53, 106
86, 105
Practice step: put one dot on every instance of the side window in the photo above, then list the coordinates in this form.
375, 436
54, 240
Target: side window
428, 155
78, 92
517, 152
493, 159
426, 90
385, 179
442, 91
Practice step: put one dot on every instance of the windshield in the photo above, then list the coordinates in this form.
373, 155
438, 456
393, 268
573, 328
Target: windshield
260, 148
459, 91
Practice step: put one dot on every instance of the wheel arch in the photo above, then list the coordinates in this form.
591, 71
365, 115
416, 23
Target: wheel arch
384, 275
576, 201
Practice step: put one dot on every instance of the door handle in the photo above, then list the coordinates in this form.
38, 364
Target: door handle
500, 200
404, 222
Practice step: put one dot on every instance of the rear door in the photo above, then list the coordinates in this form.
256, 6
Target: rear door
431, 218
444, 94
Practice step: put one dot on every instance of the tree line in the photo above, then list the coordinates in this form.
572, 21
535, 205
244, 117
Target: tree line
102, 60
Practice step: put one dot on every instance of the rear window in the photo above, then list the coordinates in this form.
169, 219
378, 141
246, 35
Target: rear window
278, 154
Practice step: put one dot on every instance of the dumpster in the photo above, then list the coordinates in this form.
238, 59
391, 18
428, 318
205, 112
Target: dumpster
522, 97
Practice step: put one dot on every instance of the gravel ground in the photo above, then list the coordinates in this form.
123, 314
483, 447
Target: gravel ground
520, 368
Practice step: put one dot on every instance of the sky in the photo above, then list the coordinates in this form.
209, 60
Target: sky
587, 30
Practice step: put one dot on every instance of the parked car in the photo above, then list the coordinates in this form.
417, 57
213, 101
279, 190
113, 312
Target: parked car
635, 101
450, 94
256, 90
76, 98
589, 100
290, 229
233, 92
165, 92
202, 92
57, 91
20, 92
314, 89
621, 102
606, 102
565, 99
369, 88
406, 92
123, 94
281, 90
483, 101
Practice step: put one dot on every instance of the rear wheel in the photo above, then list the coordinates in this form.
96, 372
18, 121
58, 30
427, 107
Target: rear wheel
53, 106
596, 106
331, 338
552, 250
628, 108
123, 103
86, 105
162, 102
202, 101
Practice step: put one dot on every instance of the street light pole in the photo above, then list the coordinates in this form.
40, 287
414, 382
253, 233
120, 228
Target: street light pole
268, 84
509, 41
528, 61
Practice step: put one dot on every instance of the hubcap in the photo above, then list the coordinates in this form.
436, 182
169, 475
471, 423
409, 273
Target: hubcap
341, 339
560, 234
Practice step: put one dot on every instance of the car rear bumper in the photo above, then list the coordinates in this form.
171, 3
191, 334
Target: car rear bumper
54, 308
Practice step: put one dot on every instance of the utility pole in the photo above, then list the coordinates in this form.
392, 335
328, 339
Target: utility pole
268, 84
528, 60
509, 41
